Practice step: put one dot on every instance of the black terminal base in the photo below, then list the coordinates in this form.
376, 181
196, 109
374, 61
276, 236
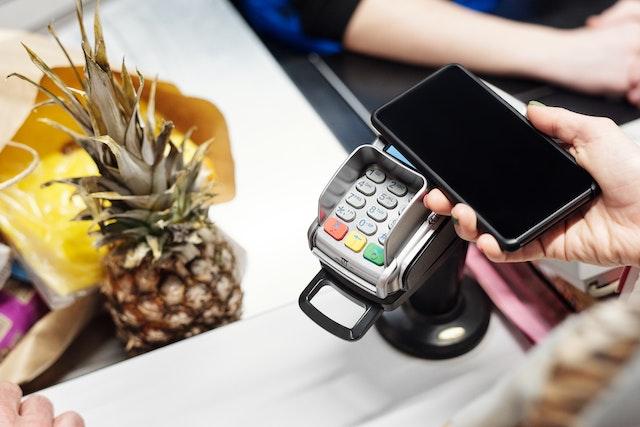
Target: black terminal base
439, 336
446, 317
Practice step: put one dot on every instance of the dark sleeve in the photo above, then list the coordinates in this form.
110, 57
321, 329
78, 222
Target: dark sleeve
325, 18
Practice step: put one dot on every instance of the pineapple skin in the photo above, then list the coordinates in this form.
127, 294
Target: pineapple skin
179, 296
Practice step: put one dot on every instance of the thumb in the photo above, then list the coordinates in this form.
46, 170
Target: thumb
597, 144
558, 123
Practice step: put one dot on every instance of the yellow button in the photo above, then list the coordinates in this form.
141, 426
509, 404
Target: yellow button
355, 241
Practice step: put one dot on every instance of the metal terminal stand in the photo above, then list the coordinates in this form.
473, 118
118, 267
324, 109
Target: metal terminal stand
446, 317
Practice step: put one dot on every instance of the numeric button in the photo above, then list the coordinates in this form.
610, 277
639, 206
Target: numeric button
365, 187
377, 213
355, 200
345, 213
367, 227
387, 201
397, 188
383, 238
376, 175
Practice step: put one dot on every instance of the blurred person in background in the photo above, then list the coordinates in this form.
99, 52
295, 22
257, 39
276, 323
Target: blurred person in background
602, 57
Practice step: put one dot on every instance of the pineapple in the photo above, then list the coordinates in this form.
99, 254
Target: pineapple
169, 272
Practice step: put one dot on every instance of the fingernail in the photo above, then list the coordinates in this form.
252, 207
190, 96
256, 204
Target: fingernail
455, 220
536, 103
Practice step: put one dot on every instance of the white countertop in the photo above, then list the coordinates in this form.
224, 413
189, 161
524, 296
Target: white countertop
279, 368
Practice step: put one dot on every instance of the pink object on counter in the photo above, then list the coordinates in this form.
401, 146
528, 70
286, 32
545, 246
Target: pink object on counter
519, 294
20, 308
629, 282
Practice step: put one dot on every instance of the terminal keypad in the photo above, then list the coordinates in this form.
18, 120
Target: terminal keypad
366, 215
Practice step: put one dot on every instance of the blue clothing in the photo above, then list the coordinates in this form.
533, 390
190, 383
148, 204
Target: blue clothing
279, 19
480, 5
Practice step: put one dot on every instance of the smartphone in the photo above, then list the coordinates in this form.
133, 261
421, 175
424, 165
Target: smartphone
480, 151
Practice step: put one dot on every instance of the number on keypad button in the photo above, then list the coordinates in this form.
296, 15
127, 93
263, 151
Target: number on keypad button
355, 200
365, 187
377, 213
367, 227
376, 175
393, 224
345, 213
383, 238
397, 188
387, 201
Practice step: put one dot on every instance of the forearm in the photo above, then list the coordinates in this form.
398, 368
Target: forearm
435, 32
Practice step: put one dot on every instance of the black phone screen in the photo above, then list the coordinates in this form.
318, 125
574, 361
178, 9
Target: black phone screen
482, 151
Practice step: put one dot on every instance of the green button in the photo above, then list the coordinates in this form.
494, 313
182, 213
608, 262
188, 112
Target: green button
374, 253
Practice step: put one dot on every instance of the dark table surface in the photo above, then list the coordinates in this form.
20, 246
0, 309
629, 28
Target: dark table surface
374, 81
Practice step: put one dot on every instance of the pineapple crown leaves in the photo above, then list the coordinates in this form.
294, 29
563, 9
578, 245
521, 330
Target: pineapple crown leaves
146, 186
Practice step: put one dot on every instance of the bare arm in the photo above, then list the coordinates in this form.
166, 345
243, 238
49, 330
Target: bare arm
436, 32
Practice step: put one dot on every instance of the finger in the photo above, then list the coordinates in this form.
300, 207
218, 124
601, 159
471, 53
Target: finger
596, 142
68, 419
465, 222
488, 245
10, 395
593, 21
36, 410
556, 122
436, 201
634, 96
634, 73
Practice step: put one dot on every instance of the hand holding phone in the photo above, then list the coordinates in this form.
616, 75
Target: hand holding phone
481, 152
607, 232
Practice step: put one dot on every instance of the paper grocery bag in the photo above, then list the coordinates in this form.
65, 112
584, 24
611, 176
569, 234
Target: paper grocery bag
16, 97
24, 139
47, 339
36, 220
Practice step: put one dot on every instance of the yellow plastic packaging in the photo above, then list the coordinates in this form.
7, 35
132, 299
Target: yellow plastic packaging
37, 221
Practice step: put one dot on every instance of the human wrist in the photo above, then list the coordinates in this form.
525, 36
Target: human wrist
545, 55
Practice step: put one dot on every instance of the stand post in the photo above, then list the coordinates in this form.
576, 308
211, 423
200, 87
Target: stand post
446, 317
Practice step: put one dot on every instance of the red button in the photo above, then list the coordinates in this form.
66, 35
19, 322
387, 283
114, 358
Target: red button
335, 228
